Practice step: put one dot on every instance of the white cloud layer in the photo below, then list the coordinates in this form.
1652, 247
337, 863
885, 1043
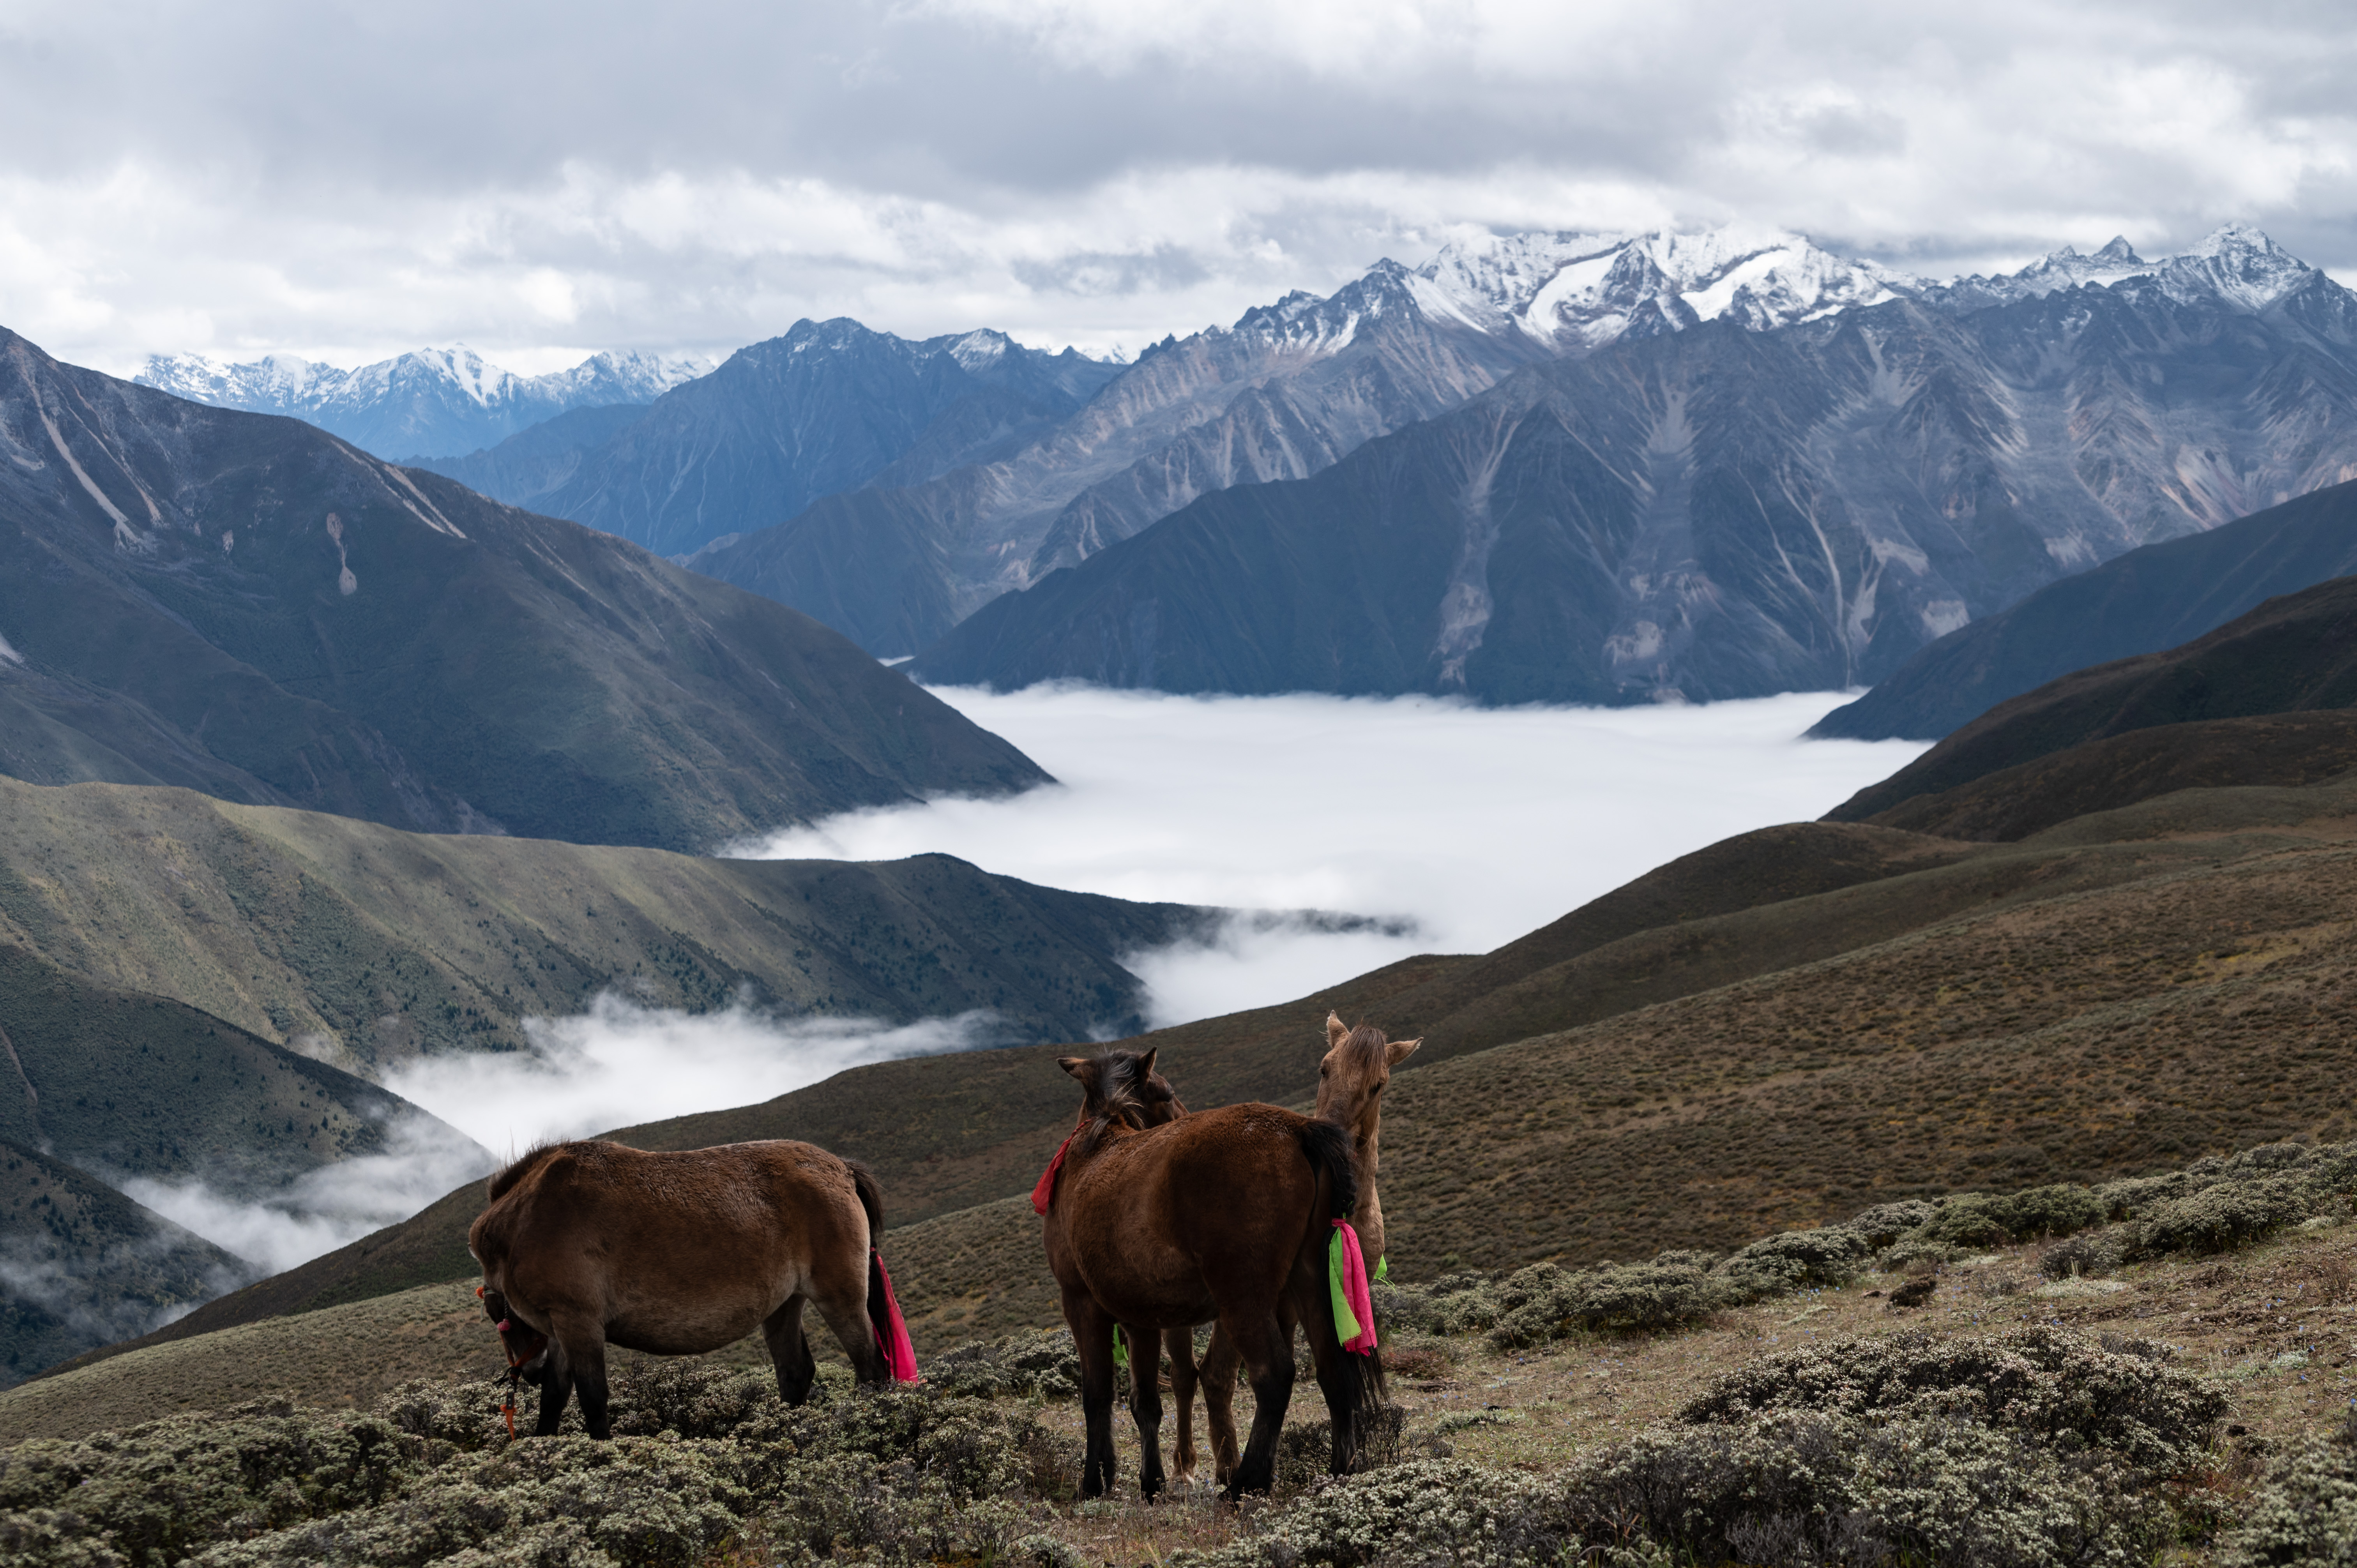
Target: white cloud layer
1470, 825
622, 1064
542, 180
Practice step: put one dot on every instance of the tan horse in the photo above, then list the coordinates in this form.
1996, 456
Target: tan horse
1222, 1216
1350, 1080
589, 1244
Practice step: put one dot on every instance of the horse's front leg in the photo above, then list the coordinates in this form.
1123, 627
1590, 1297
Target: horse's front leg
1145, 1408
1093, 1337
789, 1351
1180, 1343
580, 1363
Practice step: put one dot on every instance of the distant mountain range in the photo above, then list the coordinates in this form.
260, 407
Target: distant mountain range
1798, 493
251, 608
430, 404
1286, 392
829, 406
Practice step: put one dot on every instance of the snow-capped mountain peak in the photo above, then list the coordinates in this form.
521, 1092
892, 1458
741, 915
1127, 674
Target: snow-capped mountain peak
1574, 292
433, 402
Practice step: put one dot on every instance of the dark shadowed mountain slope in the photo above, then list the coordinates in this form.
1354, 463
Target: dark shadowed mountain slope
81, 1266
2292, 654
371, 945
2152, 598
526, 467
829, 406
1716, 513
248, 606
109, 1085
2012, 803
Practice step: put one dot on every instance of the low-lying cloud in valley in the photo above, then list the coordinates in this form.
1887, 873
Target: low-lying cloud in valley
1462, 827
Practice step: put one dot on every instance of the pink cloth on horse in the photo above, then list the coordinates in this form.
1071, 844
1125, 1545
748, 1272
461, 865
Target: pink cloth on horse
1355, 1291
897, 1350
1045, 1193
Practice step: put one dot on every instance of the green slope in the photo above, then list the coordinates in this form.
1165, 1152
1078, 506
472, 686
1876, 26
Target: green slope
371, 944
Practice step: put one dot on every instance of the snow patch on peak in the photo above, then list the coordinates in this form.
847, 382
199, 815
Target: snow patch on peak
1577, 291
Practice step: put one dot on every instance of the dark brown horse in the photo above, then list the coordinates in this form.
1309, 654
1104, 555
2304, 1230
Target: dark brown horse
1350, 1078
1224, 1215
588, 1244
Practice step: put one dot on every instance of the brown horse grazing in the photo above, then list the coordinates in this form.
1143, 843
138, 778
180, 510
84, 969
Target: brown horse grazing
1350, 1080
588, 1244
1222, 1216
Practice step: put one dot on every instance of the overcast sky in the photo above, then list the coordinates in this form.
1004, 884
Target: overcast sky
539, 180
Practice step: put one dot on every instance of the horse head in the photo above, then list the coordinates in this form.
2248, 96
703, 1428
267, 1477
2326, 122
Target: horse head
1121, 1086
1350, 1080
526, 1347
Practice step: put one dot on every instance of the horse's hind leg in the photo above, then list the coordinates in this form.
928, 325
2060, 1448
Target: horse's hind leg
1180, 1343
789, 1351
1218, 1378
1266, 1349
1145, 1408
846, 1312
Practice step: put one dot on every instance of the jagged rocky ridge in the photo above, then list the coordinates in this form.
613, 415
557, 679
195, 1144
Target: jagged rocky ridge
431, 402
1288, 391
1720, 512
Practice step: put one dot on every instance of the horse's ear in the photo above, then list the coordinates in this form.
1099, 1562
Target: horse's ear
1400, 1051
1082, 1068
1335, 1029
1146, 1066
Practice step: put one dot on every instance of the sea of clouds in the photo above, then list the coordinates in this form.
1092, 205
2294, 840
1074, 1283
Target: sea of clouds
1444, 827
1465, 827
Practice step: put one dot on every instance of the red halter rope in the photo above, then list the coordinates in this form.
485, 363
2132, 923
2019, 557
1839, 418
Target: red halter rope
1045, 1193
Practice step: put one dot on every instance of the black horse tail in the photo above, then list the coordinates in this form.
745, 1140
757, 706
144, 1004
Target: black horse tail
1354, 1381
880, 1295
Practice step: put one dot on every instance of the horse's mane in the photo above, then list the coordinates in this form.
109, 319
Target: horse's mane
1366, 1041
1119, 1096
515, 1170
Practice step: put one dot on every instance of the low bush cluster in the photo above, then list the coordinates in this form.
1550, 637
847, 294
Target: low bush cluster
2211, 1206
700, 1456
2030, 1449
2305, 1511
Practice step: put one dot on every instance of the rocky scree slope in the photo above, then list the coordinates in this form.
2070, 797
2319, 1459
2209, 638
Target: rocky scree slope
250, 608
1718, 512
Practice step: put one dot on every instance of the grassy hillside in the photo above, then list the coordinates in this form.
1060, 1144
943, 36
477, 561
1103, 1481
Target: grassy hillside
376, 944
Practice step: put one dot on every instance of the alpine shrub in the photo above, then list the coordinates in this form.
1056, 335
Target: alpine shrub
2223, 1216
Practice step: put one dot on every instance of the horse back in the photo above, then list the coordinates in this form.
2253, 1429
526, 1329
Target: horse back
616, 1229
